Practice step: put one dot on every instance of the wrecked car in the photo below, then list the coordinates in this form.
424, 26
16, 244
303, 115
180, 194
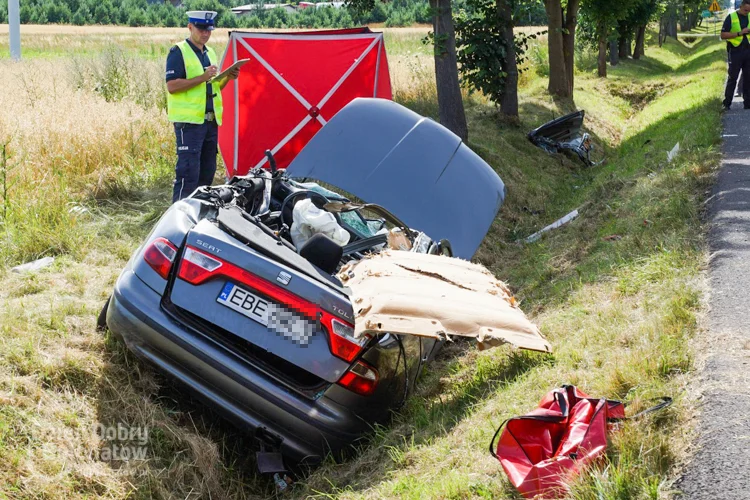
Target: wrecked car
563, 135
223, 297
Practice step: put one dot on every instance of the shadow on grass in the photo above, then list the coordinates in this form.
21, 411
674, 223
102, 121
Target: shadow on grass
703, 61
430, 415
638, 68
190, 451
547, 272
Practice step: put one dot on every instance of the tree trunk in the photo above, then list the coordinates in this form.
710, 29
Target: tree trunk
673, 28
602, 60
614, 55
558, 80
509, 103
640, 38
569, 42
450, 103
623, 46
662, 32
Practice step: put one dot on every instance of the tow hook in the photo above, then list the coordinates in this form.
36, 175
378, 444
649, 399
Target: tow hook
270, 460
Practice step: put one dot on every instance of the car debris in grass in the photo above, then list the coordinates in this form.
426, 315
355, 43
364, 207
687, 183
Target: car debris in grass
34, 265
564, 135
559, 222
436, 296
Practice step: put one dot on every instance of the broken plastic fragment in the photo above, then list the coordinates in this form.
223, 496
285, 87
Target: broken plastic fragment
33, 265
559, 222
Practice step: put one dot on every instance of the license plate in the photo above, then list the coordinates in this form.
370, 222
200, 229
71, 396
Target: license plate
245, 303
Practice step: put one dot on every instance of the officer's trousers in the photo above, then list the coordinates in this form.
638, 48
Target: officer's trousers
197, 146
739, 60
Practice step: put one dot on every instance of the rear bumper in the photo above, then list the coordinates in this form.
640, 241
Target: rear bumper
251, 399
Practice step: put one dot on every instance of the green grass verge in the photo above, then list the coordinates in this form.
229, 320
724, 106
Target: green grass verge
618, 293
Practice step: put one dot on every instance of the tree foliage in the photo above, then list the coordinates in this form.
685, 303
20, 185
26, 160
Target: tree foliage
164, 14
481, 48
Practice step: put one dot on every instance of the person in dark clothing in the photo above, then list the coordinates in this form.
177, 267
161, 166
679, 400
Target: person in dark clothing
194, 104
735, 31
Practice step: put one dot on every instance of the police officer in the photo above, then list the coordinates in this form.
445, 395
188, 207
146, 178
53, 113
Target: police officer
735, 31
194, 105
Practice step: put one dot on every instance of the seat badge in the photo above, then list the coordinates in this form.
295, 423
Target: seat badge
284, 278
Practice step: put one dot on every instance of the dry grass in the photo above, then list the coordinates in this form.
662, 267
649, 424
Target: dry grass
90, 164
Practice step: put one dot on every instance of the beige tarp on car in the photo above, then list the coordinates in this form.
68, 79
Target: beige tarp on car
435, 296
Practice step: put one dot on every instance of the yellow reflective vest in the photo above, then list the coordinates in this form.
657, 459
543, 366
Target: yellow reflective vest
189, 106
736, 41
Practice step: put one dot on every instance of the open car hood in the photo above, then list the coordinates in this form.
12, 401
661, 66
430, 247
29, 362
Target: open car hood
559, 130
386, 154
410, 293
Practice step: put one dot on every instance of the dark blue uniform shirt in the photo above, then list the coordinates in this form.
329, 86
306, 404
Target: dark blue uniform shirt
727, 27
176, 68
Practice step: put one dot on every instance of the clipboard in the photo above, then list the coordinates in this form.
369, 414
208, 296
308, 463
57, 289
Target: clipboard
224, 73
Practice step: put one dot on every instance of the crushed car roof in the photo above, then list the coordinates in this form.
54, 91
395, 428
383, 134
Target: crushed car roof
435, 296
387, 154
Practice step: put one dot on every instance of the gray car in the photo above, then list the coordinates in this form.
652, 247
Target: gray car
219, 298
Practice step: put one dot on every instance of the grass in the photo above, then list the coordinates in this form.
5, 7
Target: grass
618, 292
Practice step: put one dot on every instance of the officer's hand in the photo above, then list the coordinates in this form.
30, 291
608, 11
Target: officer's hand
745, 31
210, 72
234, 74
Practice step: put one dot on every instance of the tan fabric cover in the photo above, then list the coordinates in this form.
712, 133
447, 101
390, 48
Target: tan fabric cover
431, 295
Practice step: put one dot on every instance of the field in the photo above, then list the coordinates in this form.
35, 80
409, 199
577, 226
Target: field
86, 165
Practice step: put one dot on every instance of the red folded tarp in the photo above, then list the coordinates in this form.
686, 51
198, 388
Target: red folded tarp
293, 84
541, 450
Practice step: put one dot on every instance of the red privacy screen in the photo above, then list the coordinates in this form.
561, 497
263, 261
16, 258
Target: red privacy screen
292, 85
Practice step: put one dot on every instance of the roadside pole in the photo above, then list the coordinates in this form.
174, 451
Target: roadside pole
14, 29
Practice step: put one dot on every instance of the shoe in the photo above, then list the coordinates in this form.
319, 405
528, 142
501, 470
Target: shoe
726, 107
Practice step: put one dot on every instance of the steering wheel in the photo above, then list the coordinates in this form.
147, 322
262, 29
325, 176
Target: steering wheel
308, 193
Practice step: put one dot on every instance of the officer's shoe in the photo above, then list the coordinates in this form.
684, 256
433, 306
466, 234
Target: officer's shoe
726, 107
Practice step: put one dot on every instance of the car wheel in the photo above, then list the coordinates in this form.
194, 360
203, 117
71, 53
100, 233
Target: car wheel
101, 321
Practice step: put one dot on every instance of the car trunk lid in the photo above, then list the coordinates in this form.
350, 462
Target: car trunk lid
248, 297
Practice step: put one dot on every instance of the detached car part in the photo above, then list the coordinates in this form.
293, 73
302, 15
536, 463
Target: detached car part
436, 296
564, 134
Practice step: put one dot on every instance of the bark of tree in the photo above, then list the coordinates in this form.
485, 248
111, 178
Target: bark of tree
558, 75
602, 60
569, 42
614, 55
509, 103
672, 28
450, 102
623, 48
640, 38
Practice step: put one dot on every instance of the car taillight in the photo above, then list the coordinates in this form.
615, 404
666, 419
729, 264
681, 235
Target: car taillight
198, 267
360, 378
160, 254
341, 336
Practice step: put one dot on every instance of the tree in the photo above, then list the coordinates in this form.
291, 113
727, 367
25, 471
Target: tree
450, 101
489, 53
601, 18
668, 21
633, 27
443, 37
561, 35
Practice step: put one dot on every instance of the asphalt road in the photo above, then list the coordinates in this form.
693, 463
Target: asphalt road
721, 467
